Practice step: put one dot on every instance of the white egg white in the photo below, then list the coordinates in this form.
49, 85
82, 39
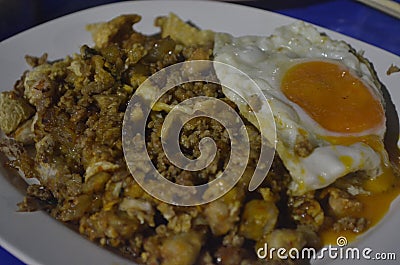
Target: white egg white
265, 60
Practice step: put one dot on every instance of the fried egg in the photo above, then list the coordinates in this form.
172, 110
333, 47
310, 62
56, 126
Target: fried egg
328, 110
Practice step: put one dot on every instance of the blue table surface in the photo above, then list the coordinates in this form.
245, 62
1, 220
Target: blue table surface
348, 17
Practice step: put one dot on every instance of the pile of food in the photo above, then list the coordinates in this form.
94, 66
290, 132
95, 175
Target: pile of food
63, 123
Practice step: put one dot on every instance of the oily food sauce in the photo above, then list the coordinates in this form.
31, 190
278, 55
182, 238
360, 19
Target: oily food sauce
384, 190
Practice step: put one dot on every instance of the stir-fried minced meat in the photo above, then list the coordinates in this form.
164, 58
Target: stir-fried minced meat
71, 113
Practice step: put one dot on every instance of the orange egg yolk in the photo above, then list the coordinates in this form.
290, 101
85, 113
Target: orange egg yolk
333, 97
340, 102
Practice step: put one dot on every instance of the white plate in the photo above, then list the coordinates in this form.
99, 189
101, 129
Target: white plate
36, 238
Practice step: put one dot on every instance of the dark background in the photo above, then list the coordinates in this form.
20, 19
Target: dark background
349, 17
